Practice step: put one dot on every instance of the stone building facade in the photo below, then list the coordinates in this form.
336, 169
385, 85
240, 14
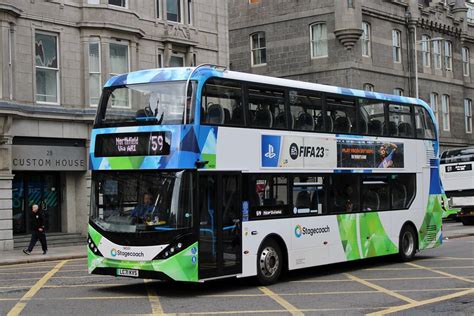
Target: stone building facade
366, 44
54, 57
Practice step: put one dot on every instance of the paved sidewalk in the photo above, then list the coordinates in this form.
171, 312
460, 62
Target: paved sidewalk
54, 253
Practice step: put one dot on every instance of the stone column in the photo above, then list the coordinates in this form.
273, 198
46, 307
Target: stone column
6, 177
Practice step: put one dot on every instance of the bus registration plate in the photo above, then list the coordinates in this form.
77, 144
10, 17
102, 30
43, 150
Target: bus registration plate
128, 273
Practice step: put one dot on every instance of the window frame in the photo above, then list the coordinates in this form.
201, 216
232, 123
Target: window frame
466, 61
58, 69
468, 115
253, 49
435, 106
125, 6
180, 12
95, 41
396, 46
426, 50
445, 104
437, 54
312, 41
366, 39
398, 92
448, 55
368, 87
111, 74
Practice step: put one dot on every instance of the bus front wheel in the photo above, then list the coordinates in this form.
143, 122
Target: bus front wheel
407, 243
269, 262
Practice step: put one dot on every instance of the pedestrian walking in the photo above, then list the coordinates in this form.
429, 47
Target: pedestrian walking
37, 226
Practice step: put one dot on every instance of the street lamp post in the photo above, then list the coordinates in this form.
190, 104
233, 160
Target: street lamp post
416, 59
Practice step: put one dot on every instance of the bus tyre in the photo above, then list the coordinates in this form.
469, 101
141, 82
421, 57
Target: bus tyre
407, 243
269, 262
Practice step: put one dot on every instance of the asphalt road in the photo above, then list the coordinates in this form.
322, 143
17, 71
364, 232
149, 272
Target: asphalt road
438, 281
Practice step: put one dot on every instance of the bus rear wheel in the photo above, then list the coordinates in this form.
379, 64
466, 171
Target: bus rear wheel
269, 262
407, 244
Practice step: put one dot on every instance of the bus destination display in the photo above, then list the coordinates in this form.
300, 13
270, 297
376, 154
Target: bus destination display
133, 144
457, 168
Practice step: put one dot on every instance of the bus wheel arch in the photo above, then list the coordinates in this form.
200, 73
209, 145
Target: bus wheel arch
408, 241
272, 259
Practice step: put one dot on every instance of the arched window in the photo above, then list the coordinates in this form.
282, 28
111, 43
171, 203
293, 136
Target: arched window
368, 87
258, 49
397, 46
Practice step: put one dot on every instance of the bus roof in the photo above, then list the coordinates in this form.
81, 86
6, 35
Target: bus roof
203, 73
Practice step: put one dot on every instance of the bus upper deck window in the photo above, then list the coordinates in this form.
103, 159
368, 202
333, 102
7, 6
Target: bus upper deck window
266, 107
343, 114
400, 123
371, 117
424, 125
306, 111
221, 103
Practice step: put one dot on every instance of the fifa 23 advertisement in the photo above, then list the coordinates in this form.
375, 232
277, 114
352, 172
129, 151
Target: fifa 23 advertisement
369, 154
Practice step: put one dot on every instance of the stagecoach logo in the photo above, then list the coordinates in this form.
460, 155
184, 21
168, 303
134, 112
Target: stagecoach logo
114, 253
301, 230
298, 231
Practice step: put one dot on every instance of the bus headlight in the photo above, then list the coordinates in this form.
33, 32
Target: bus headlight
175, 247
93, 247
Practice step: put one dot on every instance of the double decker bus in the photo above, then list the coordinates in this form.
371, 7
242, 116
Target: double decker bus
202, 173
457, 175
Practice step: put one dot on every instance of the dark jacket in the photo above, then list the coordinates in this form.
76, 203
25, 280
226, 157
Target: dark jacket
37, 220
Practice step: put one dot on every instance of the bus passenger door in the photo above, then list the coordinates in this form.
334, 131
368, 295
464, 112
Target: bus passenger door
219, 207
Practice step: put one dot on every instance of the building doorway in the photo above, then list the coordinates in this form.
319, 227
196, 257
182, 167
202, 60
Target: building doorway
40, 188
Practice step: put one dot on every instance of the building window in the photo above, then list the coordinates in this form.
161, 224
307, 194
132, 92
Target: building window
159, 59
397, 46
468, 115
448, 55
470, 13
258, 48
47, 68
177, 60
118, 3
445, 111
190, 12
94, 72
119, 64
366, 39
173, 10
437, 53
426, 50
466, 61
434, 105
158, 14
398, 91
319, 40
368, 87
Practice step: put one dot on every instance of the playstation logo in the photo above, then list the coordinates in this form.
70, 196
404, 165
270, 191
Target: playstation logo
271, 152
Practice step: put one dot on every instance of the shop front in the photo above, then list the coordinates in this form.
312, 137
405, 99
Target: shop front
43, 169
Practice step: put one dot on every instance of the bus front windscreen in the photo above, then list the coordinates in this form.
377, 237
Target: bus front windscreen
145, 104
128, 202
